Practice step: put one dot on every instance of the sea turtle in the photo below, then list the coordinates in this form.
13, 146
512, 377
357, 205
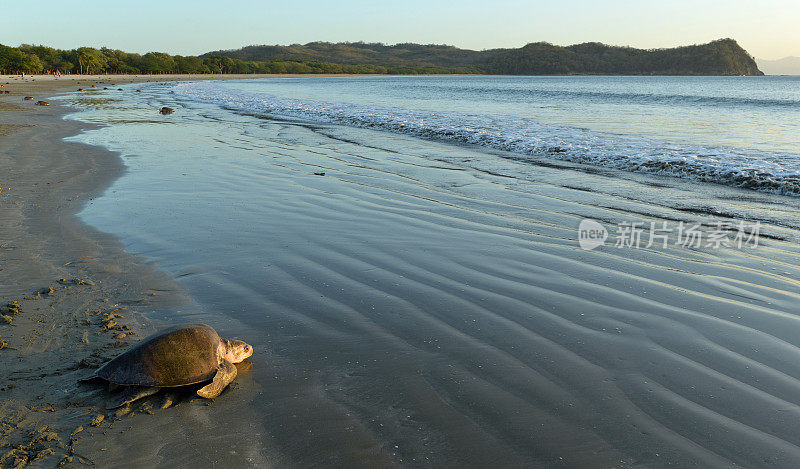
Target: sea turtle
177, 356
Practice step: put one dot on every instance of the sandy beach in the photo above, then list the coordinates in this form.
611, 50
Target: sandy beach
368, 235
71, 297
411, 303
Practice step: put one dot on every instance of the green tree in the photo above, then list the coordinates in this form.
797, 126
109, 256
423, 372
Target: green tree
90, 60
12, 59
32, 64
219, 64
158, 62
190, 65
49, 57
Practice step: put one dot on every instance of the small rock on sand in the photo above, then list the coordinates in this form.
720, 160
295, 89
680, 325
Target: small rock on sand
98, 419
43, 454
13, 308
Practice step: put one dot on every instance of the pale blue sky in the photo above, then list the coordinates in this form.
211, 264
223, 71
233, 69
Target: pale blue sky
767, 29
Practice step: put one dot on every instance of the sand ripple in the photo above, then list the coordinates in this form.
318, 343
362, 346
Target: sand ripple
424, 303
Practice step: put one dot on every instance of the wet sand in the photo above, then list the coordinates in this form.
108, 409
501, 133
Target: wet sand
426, 304
70, 297
407, 308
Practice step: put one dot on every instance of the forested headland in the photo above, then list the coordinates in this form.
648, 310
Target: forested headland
721, 57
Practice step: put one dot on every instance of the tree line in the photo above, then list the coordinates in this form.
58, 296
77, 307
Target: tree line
87, 60
721, 57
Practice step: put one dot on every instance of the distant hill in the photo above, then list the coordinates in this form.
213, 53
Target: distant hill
353, 53
721, 57
784, 66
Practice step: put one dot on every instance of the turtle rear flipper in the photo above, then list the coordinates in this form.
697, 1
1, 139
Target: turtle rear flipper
225, 374
133, 393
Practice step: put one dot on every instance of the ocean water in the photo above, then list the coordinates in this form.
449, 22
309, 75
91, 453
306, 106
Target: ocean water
740, 131
426, 303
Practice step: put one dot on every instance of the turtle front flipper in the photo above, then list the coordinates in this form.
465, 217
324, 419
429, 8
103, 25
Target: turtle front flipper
225, 374
134, 393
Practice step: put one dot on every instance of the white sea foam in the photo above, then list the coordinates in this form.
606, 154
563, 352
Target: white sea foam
753, 169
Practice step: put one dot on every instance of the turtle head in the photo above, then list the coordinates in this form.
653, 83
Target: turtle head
235, 351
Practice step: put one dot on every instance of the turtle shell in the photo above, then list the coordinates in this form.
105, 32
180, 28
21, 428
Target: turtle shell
178, 356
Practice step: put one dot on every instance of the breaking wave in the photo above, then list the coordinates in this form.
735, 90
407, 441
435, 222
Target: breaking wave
752, 169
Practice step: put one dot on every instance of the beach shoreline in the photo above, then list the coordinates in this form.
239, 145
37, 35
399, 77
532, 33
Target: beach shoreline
409, 301
71, 297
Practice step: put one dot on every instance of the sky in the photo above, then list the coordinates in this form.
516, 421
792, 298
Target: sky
767, 29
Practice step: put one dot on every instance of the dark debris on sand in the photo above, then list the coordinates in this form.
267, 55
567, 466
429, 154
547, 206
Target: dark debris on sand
57, 335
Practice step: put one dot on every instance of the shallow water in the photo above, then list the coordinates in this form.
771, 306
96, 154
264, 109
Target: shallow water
739, 131
425, 303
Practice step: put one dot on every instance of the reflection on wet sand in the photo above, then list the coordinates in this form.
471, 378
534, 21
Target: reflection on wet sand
428, 304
